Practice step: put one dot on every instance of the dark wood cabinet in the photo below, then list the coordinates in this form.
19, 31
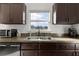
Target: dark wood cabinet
4, 13
49, 49
12, 13
67, 13
72, 12
56, 49
30, 46
48, 46
29, 52
61, 14
56, 53
76, 53
65, 46
57, 46
29, 49
16, 13
77, 16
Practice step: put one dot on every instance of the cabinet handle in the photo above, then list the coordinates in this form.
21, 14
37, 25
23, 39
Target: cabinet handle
73, 54
68, 19
23, 54
76, 53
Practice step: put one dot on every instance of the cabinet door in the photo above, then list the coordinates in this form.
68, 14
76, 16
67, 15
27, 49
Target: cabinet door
61, 13
77, 53
77, 18
76, 50
4, 13
67, 13
72, 12
30, 46
16, 11
29, 53
48, 46
56, 52
57, 46
65, 46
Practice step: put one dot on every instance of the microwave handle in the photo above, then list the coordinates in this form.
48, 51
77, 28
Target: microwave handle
9, 33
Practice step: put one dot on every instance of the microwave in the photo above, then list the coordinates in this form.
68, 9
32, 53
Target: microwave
8, 33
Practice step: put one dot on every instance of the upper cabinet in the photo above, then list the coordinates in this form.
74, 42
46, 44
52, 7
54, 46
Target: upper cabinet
67, 13
61, 15
4, 13
12, 13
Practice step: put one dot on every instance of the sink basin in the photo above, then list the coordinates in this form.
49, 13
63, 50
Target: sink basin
39, 38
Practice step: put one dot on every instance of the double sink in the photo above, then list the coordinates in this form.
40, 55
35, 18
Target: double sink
52, 39
39, 35
39, 38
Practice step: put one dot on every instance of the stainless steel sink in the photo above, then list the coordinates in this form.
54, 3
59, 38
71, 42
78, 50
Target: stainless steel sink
42, 38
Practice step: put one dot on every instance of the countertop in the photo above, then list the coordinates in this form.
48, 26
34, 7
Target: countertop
25, 40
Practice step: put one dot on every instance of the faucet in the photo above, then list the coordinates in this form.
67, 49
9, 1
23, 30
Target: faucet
38, 34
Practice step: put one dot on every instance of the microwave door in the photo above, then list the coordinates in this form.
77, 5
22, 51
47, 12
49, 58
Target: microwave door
3, 33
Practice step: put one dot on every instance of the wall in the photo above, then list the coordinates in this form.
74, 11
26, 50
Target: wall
60, 29
77, 27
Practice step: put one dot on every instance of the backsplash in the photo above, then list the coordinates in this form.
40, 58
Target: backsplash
59, 29
77, 28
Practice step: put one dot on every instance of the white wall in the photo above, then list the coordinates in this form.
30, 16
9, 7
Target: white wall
77, 27
60, 29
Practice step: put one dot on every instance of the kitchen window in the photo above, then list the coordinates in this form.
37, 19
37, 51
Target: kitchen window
39, 20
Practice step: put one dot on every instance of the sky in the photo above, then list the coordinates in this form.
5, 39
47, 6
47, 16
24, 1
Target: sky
40, 16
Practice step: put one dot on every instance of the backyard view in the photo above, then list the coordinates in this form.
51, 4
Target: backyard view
39, 20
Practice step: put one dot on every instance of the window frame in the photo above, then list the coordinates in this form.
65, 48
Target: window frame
39, 20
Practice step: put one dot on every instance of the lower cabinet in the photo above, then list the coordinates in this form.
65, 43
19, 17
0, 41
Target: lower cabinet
49, 49
48, 53
56, 53
29, 53
76, 53
29, 49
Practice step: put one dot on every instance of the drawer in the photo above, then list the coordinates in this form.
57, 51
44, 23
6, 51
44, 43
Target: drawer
56, 53
29, 53
57, 46
30, 46
48, 46
65, 46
